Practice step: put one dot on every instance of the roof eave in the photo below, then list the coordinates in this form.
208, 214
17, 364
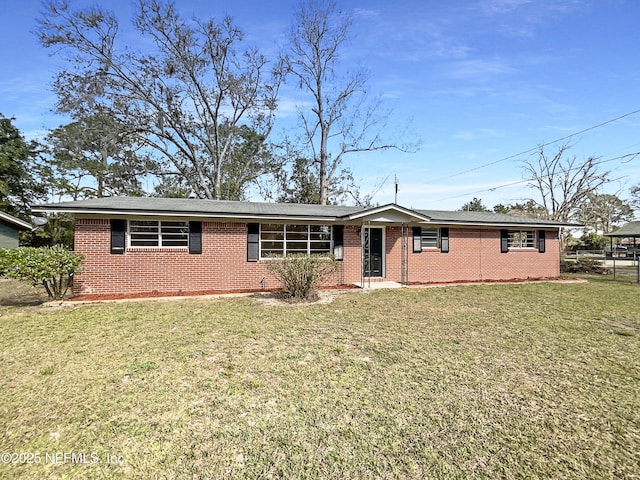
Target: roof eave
623, 235
631, 229
190, 213
503, 224
416, 217
17, 222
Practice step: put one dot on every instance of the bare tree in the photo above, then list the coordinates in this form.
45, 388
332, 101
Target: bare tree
563, 183
187, 96
340, 120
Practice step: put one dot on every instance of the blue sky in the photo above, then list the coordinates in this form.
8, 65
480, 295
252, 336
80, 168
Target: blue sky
475, 82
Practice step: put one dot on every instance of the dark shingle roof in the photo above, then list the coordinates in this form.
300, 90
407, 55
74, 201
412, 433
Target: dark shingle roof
195, 207
464, 217
631, 229
233, 209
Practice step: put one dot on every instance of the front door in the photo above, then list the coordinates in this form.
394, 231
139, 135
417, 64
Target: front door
373, 252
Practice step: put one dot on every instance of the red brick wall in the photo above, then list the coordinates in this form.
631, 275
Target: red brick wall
474, 255
221, 266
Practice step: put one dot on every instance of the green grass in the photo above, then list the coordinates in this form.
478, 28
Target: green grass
495, 381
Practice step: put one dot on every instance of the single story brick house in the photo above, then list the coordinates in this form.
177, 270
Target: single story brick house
177, 246
10, 226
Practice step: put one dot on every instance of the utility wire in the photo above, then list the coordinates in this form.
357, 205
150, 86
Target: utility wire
437, 180
491, 189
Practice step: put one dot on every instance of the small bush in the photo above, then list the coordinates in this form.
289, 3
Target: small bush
52, 267
300, 275
6, 261
584, 265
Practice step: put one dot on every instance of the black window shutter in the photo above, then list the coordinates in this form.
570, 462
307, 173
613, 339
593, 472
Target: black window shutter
542, 241
253, 242
118, 235
338, 241
504, 241
444, 240
195, 237
417, 239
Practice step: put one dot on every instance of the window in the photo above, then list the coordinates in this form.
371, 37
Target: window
151, 233
521, 239
282, 240
174, 234
429, 237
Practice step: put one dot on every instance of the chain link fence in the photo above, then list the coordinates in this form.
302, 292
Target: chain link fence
616, 262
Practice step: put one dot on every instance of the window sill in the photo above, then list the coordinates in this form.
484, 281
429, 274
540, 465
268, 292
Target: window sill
326, 256
157, 249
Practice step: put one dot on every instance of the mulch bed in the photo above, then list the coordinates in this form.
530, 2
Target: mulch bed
156, 294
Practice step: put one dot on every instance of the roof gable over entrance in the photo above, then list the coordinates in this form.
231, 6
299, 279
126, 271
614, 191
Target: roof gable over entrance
390, 213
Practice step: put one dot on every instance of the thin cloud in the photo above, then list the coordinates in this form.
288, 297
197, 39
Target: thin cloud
479, 70
498, 7
524, 18
366, 14
424, 34
290, 108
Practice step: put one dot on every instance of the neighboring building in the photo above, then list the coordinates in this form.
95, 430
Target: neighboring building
627, 234
169, 246
10, 226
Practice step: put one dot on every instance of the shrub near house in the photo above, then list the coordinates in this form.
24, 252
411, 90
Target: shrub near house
53, 268
302, 274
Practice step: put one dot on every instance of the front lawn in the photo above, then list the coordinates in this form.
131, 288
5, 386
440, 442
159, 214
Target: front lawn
484, 381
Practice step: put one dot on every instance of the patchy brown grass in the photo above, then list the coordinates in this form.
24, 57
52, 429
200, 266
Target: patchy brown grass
487, 381
18, 293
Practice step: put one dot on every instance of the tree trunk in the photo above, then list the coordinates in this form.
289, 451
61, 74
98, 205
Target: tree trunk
324, 138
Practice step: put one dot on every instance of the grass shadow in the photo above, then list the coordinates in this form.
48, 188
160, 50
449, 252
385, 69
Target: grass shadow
17, 293
622, 278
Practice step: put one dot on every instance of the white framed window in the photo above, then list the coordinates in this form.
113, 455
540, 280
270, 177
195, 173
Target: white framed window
152, 233
522, 239
280, 240
429, 237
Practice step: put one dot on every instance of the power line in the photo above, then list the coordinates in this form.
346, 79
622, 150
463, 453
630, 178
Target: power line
534, 148
510, 184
